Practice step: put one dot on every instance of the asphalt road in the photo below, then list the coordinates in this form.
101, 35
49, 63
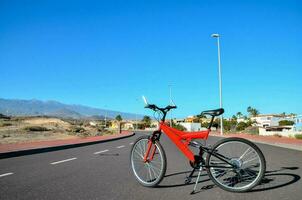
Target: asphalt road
102, 171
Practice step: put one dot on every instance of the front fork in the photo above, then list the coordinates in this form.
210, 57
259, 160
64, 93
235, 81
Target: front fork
151, 148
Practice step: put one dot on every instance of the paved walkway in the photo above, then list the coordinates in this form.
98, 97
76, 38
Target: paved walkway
285, 142
4, 148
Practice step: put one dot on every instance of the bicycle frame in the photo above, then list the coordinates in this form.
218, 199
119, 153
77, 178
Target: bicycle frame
180, 139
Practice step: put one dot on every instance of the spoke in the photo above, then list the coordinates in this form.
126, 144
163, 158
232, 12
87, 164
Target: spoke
140, 168
218, 174
250, 174
245, 153
221, 172
139, 148
155, 174
244, 162
156, 168
139, 154
149, 173
144, 146
217, 162
156, 165
152, 161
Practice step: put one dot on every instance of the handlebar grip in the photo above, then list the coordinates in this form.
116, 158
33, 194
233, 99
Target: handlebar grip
171, 107
151, 106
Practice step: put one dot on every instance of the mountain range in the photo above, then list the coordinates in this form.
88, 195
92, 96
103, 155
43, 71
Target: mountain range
18, 107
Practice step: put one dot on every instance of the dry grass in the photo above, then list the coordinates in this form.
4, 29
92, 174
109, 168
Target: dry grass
29, 129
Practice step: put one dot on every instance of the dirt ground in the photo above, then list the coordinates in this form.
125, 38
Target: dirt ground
31, 129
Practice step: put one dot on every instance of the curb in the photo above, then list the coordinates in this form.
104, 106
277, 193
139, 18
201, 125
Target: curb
57, 148
286, 146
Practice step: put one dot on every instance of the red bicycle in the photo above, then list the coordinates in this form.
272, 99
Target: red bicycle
233, 164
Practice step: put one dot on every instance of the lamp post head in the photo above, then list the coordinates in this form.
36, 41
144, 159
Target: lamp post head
215, 35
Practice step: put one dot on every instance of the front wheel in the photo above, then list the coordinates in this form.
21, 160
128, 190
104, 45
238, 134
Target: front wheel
148, 172
236, 164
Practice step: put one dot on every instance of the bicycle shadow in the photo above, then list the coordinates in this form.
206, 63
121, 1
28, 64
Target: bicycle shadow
183, 182
273, 179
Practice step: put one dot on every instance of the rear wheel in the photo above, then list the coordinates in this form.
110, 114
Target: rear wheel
245, 169
148, 173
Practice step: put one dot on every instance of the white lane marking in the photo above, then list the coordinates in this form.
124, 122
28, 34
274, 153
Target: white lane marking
61, 161
98, 152
6, 174
131, 143
120, 146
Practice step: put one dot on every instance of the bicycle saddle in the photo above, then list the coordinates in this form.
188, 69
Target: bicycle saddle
213, 113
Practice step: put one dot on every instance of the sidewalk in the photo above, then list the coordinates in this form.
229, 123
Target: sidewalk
11, 150
290, 143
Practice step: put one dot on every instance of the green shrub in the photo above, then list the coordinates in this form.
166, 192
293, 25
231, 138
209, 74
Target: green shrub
5, 135
253, 130
36, 128
205, 124
298, 136
241, 126
179, 127
229, 124
3, 124
286, 123
76, 129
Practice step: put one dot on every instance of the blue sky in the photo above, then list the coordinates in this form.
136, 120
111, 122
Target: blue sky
107, 54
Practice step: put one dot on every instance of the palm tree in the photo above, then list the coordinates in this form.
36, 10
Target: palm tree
252, 111
147, 121
255, 112
249, 109
239, 114
119, 118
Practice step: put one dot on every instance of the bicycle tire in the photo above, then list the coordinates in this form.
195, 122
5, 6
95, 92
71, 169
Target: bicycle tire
243, 173
139, 147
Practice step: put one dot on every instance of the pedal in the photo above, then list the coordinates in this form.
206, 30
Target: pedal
188, 180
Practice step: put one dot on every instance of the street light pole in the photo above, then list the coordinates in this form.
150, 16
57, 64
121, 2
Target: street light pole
136, 122
220, 84
105, 117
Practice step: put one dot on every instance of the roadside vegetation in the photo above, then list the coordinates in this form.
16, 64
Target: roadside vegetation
39, 128
298, 136
286, 123
238, 123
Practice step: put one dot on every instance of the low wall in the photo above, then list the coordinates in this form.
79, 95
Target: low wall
262, 131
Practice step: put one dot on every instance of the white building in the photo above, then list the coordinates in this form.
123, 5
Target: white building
128, 125
285, 131
191, 126
267, 120
92, 123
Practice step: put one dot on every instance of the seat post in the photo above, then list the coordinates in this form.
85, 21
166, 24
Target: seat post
211, 123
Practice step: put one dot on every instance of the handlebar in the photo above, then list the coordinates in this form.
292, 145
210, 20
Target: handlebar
155, 107
163, 110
